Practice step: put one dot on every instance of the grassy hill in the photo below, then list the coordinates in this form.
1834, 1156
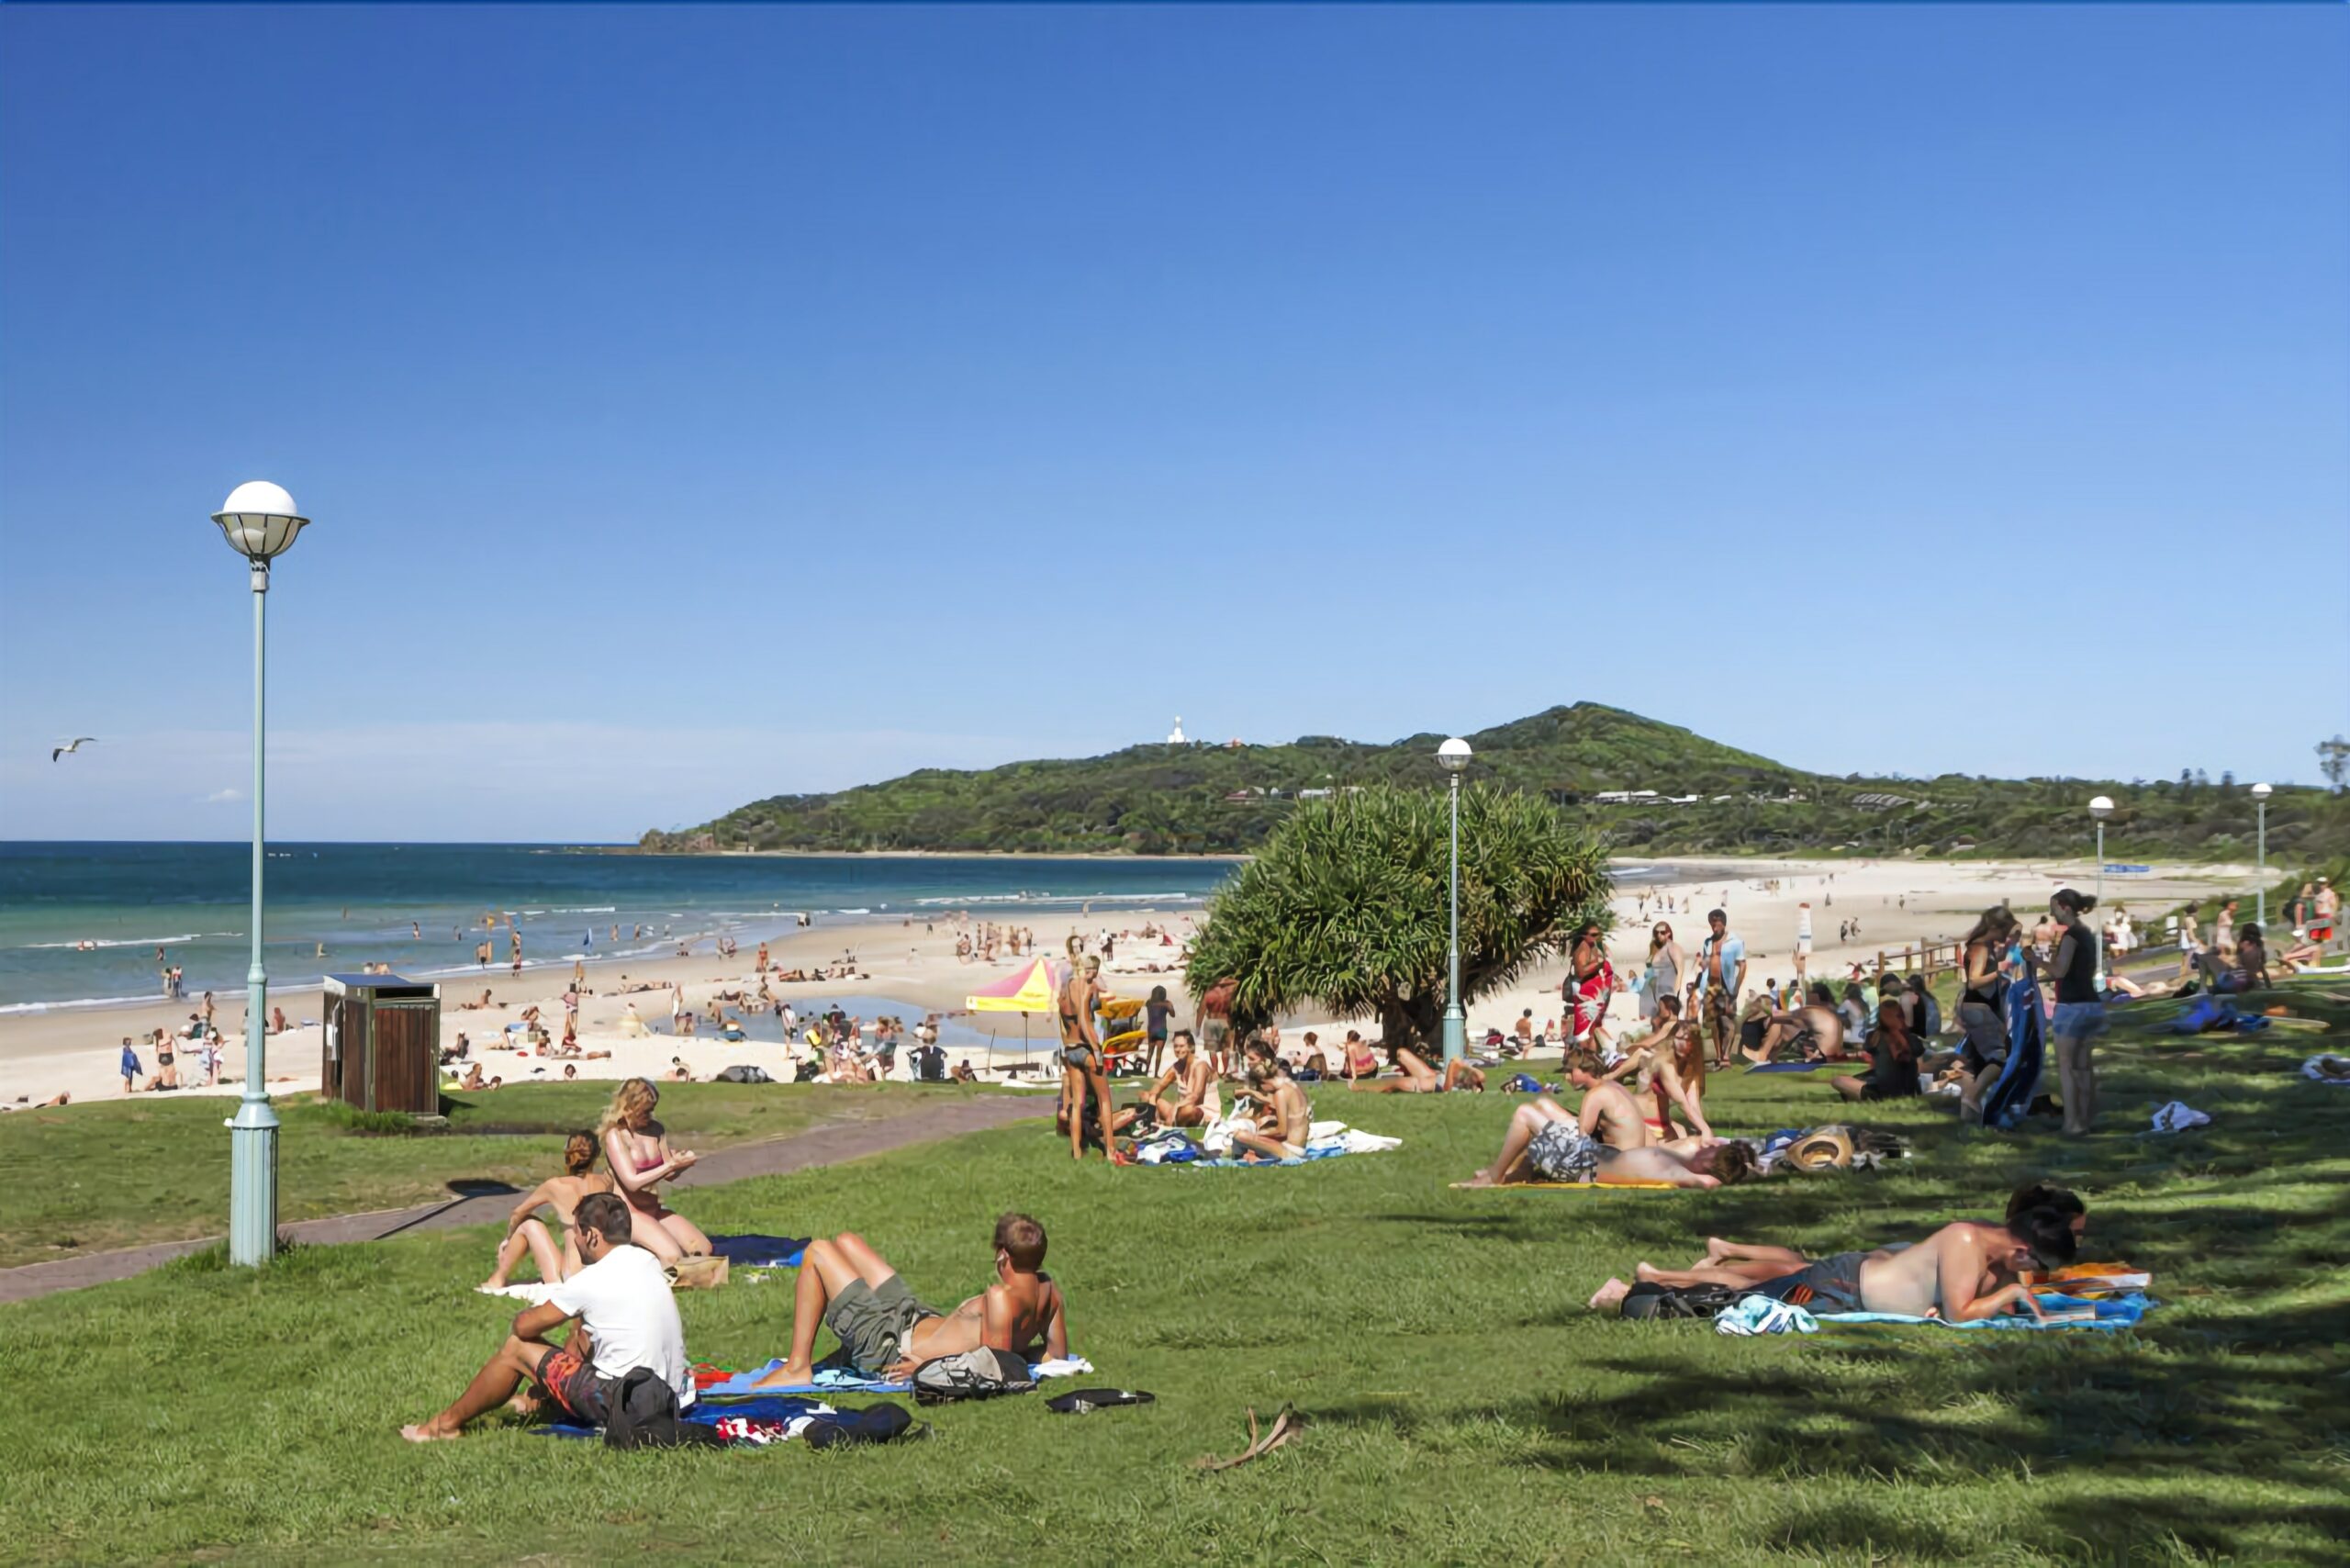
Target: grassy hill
1708, 797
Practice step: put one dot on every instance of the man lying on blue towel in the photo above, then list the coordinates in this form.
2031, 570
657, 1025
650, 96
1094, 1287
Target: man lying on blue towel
1941, 1276
887, 1332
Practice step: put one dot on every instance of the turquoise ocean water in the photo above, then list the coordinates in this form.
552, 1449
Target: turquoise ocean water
80, 923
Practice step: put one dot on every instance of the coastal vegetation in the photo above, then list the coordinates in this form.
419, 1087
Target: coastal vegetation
1462, 1404
1637, 785
1346, 906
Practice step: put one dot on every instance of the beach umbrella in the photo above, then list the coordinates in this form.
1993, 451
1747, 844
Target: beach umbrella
1030, 989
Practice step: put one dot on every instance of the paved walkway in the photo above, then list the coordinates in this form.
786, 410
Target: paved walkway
801, 1151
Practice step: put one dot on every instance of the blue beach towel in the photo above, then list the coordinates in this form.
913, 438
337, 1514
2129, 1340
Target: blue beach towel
1786, 1067
2119, 1312
765, 1407
828, 1380
2008, 1100
760, 1252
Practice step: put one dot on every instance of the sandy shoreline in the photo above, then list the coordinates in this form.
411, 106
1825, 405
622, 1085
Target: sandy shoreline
912, 961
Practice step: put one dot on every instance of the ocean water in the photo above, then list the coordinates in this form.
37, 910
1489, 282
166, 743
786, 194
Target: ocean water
80, 923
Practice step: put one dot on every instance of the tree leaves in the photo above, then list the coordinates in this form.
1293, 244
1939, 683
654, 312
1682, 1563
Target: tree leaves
1346, 906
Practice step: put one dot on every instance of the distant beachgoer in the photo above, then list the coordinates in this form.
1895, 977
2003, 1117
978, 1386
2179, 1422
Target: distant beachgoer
1666, 964
130, 1068
1803, 943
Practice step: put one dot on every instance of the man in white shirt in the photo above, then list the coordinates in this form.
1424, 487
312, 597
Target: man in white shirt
627, 1319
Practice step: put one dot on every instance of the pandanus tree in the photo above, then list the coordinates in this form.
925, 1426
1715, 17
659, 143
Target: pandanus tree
1344, 908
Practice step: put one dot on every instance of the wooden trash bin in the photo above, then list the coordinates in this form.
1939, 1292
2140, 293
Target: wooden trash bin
382, 1044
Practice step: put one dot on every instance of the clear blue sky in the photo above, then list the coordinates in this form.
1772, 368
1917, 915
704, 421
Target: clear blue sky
699, 404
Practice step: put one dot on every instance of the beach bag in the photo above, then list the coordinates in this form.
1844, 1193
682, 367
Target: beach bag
982, 1373
874, 1423
1688, 1301
645, 1416
743, 1073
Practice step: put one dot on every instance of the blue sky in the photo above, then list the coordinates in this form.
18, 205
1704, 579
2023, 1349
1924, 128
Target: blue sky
701, 404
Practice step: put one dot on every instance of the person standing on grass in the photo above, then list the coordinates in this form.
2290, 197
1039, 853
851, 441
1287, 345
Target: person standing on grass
628, 1320
1721, 974
1081, 1056
2080, 1010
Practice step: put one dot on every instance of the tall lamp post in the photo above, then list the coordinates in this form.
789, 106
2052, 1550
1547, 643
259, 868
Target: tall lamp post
1453, 758
259, 522
2100, 807
2260, 793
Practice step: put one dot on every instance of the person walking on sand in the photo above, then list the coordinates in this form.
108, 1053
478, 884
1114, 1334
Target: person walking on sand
1803, 943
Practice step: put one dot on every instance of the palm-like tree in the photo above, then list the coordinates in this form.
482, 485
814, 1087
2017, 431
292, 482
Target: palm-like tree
1344, 906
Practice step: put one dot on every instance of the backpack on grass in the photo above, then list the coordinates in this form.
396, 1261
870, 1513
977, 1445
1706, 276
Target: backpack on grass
973, 1374
1689, 1301
643, 1415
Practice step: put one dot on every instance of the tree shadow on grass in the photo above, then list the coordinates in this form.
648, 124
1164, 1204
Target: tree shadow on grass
2134, 1525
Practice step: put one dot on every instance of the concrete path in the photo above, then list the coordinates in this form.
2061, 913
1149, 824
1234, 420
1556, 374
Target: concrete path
801, 1151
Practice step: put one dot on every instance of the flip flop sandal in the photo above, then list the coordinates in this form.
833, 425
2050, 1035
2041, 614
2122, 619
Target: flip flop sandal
1084, 1401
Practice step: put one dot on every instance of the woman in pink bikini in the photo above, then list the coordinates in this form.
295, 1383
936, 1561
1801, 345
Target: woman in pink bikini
636, 1148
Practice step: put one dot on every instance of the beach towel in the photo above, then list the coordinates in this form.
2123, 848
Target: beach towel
1570, 1187
2327, 1069
1786, 1067
838, 1379
2009, 1099
777, 1420
2177, 1116
1755, 1315
753, 1251
2119, 1312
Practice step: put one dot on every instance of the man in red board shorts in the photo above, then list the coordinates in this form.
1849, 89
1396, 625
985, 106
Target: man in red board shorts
627, 1319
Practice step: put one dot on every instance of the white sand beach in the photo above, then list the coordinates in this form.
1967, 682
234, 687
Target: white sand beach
1896, 903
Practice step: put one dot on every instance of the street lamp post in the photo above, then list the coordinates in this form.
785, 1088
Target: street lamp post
2260, 793
259, 522
2100, 807
1453, 758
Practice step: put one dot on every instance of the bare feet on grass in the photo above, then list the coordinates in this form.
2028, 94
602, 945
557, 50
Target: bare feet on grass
1612, 1294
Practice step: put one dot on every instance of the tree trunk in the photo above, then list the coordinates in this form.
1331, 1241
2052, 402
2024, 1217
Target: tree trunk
1416, 1022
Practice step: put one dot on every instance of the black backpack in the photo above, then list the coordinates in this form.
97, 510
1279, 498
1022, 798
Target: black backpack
743, 1073
645, 1416
1689, 1301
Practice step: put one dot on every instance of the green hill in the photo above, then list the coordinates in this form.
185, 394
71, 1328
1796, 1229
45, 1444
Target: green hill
1701, 797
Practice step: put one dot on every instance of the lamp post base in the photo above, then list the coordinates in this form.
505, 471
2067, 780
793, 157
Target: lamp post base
252, 1184
1456, 1033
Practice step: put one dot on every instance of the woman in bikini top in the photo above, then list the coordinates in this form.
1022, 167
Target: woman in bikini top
636, 1150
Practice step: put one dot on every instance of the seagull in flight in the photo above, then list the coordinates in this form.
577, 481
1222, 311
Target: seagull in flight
75, 744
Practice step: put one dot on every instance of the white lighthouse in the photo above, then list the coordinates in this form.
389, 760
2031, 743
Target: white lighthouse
1175, 737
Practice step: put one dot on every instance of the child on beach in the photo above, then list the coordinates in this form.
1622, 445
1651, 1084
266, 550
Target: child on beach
131, 1068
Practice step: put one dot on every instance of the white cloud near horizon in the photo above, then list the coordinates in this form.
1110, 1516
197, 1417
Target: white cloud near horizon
462, 781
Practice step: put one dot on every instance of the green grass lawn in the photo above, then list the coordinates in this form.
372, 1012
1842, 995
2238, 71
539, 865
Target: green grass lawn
1465, 1407
155, 1167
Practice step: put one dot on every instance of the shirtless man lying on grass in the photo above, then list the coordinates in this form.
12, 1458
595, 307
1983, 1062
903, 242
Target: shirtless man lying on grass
1955, 1275
1607, 1143
1759, 1263
887, 1332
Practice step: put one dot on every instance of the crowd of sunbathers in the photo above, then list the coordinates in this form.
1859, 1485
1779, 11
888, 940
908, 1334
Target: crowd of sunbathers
1961, 1273
606, 1277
